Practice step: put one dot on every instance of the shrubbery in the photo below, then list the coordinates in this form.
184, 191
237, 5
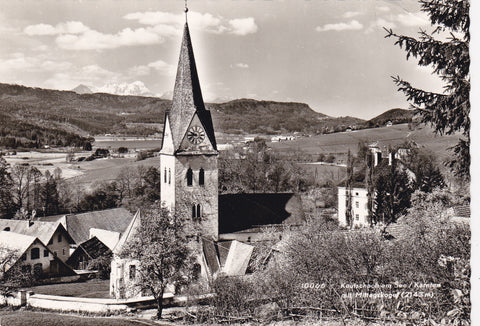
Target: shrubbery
421, 275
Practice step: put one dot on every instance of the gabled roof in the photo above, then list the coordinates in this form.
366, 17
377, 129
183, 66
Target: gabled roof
92, 248
16, 241
187, 96
237, 212
130, 232
44, 231
79, 225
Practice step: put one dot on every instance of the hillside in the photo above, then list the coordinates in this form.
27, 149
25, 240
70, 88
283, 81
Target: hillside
396, 116
100, 113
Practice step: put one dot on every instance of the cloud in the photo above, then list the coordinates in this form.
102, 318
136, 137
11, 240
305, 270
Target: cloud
352, 25
159, 26
160, 66
413, 19
91, 74
18, 62
70, 27
243, 26
383, 8
241, 65
379, 24
201, 21
351, 14
93, 40
394, 20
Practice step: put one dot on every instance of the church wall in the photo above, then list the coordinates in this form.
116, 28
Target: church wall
167, 180
206, 195
121, 284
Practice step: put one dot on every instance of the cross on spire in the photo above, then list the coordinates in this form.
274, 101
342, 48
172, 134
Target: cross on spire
186, 10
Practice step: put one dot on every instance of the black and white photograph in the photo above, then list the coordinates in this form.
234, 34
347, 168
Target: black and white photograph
236, 162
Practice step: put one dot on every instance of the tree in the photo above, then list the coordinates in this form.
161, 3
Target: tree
427, 173
7, 209
50, 195
448, 112
12, 276
161, 247
392, 193
21, 178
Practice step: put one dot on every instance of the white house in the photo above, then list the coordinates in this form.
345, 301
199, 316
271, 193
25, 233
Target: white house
359, 198
31, 255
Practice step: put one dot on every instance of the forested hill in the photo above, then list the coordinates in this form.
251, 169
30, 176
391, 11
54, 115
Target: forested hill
100, 113
394, 115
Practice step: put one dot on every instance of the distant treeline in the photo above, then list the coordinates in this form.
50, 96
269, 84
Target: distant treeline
18, 134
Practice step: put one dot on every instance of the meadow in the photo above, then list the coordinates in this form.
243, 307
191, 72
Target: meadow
341, 142
89, 173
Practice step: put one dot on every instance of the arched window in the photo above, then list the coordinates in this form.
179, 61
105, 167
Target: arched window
201, 177
169, 176
165, 176
189, 177
196, 211
199, 211
197, 270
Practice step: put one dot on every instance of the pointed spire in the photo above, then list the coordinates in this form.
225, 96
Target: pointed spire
187, 95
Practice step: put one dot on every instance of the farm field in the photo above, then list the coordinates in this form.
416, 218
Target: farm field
131, 144
87, 174
46, 162
108, 169
81, 173
386, 136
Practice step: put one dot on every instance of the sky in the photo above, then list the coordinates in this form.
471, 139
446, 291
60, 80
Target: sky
330, 54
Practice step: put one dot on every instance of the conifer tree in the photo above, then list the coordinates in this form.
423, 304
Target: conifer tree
7, 208
446, 50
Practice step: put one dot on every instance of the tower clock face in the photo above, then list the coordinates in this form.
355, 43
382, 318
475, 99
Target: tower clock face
195, 135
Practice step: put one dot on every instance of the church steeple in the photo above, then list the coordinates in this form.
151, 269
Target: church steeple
188, 158
187, 97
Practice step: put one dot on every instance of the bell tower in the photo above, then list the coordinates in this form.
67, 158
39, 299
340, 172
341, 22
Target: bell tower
188, 158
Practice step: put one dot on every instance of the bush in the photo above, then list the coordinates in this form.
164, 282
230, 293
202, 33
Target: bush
431, 251
233, 297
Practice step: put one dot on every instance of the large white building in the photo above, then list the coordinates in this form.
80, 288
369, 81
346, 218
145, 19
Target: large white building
359, 197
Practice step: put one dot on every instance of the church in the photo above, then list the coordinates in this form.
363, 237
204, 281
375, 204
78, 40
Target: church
226, 226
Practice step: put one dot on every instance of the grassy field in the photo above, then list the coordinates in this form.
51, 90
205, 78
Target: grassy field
387, 136
90, 289
30, 318
87, 174
101, 170
130, 144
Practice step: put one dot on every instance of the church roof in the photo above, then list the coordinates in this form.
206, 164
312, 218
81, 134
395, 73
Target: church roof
238, 212
79, 225
187, 96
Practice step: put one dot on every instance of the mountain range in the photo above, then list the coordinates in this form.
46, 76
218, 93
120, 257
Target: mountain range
83, 113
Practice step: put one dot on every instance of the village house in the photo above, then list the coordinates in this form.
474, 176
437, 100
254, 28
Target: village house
107, 225
32, 256
359, 202
357, 193
58, 240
